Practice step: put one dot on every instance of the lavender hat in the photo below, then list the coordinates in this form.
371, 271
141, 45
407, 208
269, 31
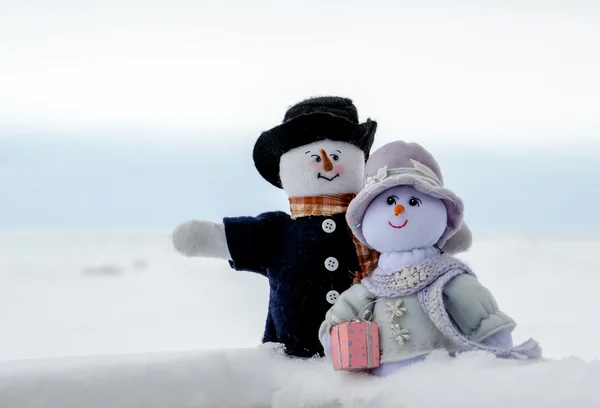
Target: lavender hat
400, 163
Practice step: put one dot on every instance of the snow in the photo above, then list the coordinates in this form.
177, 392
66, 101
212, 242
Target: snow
89, 293
262, 377
116, 318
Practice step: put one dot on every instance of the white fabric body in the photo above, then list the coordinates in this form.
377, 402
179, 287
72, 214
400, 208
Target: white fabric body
302, 170
417, 226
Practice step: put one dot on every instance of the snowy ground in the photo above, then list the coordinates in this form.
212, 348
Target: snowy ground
65, 294
261, 377
68, 294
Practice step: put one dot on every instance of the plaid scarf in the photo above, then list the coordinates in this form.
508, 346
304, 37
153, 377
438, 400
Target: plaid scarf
327, 205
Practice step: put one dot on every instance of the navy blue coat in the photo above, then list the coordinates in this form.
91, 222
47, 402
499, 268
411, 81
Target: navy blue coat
292, 254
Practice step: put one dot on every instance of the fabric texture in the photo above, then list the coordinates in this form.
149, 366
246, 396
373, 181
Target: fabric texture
304, 172
501, 339
432, 301
326, 343
404, 164
392, 261
313, 119
473, 308
201, 238
328, 205
429, 314
324, 205
291, 253
410, 279
367, 260
392, 224
386, 369
459, 242
424, 337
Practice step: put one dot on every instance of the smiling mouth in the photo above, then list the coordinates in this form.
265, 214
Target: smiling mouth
328, 179
396, 226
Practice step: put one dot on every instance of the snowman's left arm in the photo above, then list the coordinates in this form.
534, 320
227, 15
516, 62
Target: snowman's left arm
474, 309
253, 242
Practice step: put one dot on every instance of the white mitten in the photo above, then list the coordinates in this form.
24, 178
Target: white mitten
326, 343
201, 238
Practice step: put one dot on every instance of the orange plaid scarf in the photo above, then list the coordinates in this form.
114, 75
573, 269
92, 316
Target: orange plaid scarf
327, 205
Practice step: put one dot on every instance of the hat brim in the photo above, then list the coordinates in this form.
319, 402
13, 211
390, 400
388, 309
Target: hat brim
303, 130
459, 242
358, 206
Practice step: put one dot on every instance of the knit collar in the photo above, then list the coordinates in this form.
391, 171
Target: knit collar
389, 262
323, 205
411, 278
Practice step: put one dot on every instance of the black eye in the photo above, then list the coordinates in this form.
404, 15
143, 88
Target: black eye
317, 158
335, 157
391, 200
414, 202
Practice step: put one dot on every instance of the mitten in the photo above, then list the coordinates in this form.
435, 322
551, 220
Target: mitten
502, 339
201, 238
326, 343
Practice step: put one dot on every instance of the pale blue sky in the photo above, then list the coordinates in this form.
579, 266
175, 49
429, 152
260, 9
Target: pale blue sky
123, 113
84, 183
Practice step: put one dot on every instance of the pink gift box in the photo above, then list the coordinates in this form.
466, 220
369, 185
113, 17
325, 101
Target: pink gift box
355, 346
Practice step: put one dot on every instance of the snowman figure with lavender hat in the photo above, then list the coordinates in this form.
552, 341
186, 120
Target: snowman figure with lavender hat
421, 298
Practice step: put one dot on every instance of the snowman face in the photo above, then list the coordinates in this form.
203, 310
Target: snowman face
403, 219
323, 167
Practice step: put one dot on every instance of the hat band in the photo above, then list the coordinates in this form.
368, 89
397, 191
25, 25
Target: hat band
419, 170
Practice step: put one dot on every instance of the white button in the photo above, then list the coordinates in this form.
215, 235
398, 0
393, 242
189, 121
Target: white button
332, 296
331, 264
328, 226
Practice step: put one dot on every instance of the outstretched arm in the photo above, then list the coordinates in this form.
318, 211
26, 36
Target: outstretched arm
475, 311
201, 238
248, 243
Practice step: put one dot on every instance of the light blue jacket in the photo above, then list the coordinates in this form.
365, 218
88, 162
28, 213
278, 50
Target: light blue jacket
470, 305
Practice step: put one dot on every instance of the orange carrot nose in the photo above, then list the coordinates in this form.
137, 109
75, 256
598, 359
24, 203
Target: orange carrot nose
399, 209
327, 166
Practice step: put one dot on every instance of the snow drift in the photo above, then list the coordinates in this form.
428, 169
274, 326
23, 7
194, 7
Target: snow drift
264, 377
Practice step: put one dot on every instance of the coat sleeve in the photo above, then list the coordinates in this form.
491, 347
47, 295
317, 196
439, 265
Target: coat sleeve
349, 305
253, 242
474, 309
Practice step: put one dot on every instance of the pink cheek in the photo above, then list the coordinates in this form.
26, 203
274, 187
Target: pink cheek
339, 168
316, 167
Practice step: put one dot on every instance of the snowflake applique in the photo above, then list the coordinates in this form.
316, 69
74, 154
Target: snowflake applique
396, 310
399, 334
381, 175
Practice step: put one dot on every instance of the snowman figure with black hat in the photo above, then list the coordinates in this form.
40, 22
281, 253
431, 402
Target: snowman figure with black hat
317, 156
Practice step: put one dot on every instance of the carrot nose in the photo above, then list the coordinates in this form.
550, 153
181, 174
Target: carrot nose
327, 166
399, 209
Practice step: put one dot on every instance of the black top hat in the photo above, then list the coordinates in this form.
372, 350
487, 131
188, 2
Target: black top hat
314, 119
